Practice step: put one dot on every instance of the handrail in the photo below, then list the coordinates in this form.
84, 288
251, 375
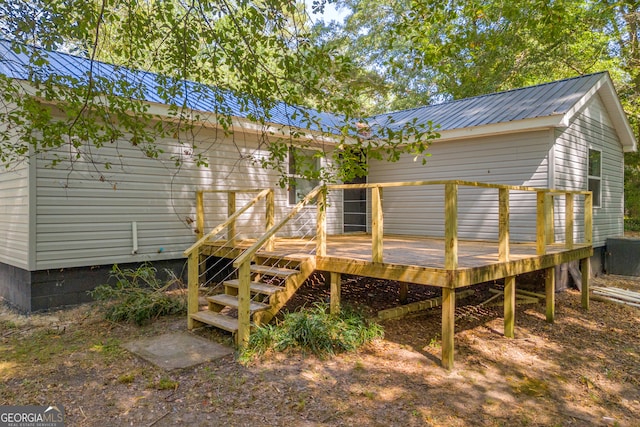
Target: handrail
247, 254
229, 220
455, 182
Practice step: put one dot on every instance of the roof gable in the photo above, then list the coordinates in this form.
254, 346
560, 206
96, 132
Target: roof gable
542, 106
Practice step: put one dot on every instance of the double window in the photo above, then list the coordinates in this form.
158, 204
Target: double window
302, 163
595, 176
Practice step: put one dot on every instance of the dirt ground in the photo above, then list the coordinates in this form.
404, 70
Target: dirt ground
583, 370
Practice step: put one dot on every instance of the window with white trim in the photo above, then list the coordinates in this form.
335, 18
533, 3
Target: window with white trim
302, 162
595, 176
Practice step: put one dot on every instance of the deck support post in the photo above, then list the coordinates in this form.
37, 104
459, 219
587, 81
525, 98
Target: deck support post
334, 305
549, 213
377, 225
231, 208
199, 214
451, 226
550, 293
448, 326
503, 225
244, 300
585, 263
509, 306
321, 223
270, 218
541, 223
193, 283
403, 292
585, 267
569, 221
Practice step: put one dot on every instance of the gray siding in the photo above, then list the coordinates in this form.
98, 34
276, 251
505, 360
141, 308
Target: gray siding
592, 128
85, 213
14, 216
516, 159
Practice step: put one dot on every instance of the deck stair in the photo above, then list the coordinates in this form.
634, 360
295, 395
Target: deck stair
274, 280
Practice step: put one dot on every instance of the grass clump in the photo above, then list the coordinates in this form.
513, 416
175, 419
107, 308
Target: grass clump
314, 330
138, 296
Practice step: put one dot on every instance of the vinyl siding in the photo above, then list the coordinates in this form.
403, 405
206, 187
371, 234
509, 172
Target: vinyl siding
592, 129
516, 159
14, 216
85, 213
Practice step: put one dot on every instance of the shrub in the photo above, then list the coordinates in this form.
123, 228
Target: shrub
632, 224
138, 295
314, 330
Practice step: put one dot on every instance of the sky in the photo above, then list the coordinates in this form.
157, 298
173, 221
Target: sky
331, 12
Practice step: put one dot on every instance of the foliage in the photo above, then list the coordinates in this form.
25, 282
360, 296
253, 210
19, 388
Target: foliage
314, 330
632, 224
423, 51
258, 53
138, 295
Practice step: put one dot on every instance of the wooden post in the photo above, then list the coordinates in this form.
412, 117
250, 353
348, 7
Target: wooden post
244, 300
503, 224
451, 226
509, 306
550, 292
334, 305
193, 285
377, 226
403, 292
588, 218
585, 266
270, 219
199, 214
448, 326
321, 223
231, 208
549, 218
541, 234
568, 215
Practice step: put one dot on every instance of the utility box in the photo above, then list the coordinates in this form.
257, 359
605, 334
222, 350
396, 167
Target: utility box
623, 256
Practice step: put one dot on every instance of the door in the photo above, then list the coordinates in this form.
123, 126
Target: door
355, 207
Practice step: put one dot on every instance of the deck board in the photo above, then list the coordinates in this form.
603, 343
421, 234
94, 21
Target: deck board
422, 258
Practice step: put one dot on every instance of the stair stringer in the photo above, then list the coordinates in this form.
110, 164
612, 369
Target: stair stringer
280, 298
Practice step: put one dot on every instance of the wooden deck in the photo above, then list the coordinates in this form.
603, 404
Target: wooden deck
418, 260
449, 263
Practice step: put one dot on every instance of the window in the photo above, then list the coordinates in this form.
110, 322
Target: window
302, 162
595, 176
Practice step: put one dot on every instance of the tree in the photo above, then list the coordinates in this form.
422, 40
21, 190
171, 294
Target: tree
431, 50
258, 52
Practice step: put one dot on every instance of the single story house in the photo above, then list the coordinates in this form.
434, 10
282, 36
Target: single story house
62, 227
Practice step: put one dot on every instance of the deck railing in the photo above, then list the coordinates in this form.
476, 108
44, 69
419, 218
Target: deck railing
194, 251
545, 234
544, 215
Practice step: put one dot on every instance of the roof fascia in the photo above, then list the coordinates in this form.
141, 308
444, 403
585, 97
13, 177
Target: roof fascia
238, 124
538, 123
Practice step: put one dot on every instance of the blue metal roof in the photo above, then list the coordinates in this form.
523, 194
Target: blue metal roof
146, 86
542, 100
519, 104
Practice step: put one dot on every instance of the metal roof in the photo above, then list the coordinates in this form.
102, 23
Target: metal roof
544, 100
146, 86
556, 100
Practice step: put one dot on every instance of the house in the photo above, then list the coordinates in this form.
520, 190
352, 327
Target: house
569, 135
61, 228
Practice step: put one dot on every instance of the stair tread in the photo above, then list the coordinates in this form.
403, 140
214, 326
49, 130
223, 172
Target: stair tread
273, 271
232, 301
257, 287
278, 255
216, 319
